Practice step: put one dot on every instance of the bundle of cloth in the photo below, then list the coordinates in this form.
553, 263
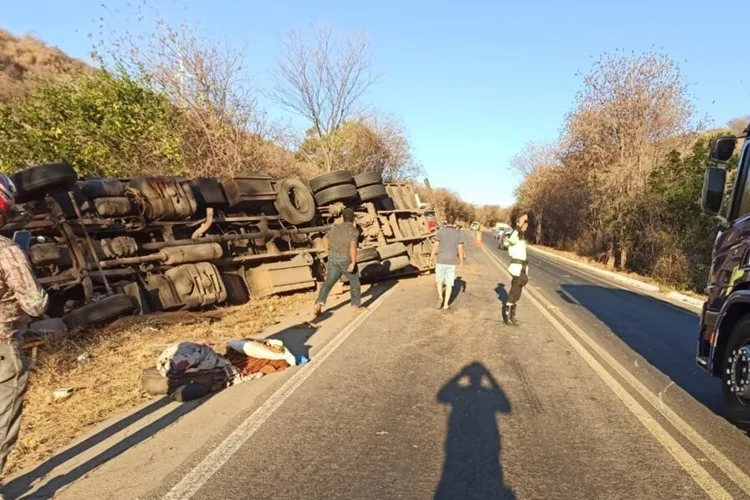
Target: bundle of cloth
244, 359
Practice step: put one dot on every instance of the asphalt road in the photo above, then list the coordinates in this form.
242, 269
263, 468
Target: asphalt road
595, 395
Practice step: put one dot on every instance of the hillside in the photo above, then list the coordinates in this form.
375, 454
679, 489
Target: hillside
26, 58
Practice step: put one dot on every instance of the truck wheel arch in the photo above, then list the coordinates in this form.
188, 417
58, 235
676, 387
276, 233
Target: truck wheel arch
736, 307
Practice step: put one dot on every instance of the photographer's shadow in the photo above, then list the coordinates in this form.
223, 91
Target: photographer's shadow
472, 467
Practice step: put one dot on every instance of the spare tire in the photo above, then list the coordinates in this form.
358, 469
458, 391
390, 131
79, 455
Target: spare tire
368, 179
330, 179
371, 193
369, 253
294, 201
34, 181
396, 263
345, 192
392, 250
101, 311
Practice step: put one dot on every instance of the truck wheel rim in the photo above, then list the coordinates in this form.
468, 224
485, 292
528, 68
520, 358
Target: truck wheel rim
739, 373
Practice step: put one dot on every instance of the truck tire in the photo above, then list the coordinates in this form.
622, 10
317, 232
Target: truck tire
294, 201
330, 179
371, 193
370, 269
101, 311
368, 179
737, 408
365, 254
367, 270
396, 263
392, 250
35, 181
345, 192
386, 204
237, 292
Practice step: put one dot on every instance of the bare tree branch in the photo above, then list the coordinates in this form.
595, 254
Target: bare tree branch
323, 82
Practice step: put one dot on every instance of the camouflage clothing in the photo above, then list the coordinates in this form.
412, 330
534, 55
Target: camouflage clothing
20, 294
20, 297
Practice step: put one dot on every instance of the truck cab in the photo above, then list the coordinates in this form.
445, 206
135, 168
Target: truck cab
723, 348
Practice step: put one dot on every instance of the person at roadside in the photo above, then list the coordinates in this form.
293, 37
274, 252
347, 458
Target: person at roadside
341, 244
447, 252
518, 268
21, 298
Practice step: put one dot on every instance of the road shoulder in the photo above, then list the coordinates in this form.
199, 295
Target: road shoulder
127, 456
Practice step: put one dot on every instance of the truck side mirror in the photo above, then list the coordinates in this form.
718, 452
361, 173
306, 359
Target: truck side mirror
713, 190
722, 149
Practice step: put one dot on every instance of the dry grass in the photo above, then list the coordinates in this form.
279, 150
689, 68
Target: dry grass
26, 58
110, 382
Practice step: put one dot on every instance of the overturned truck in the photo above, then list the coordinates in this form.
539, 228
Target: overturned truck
104, 248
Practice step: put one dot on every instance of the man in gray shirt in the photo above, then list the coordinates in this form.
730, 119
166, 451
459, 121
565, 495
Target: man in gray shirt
341, 243
447, 251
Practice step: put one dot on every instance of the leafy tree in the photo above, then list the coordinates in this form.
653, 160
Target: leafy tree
373, 144
104, 123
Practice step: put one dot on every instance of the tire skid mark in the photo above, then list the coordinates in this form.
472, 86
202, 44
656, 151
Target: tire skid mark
528, 388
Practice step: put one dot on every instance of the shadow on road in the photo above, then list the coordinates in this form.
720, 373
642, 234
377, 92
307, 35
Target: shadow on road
663, 334
370, 296
22, 484
295, 337
472, 467
502, 296
459, 286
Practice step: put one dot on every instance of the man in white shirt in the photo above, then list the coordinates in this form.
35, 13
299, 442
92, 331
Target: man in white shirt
518, 268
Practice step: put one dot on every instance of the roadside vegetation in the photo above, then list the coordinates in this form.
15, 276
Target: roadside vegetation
174, 101
622, 183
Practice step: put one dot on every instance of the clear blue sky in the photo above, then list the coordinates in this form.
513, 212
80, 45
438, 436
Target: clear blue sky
473, 81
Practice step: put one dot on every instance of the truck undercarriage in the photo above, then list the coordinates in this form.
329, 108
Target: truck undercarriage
103, 248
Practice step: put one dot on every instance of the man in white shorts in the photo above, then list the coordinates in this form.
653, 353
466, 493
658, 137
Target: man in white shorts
449, 252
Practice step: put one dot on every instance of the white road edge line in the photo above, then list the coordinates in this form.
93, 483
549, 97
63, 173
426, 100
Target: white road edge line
680, 454
201, 473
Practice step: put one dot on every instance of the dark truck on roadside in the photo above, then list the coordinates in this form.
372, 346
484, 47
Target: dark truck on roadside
723, 348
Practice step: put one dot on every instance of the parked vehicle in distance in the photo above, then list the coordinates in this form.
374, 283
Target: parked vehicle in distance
503, 239
724, 336
500, 229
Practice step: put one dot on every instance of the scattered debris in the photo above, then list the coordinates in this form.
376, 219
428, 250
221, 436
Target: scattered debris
63, 393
